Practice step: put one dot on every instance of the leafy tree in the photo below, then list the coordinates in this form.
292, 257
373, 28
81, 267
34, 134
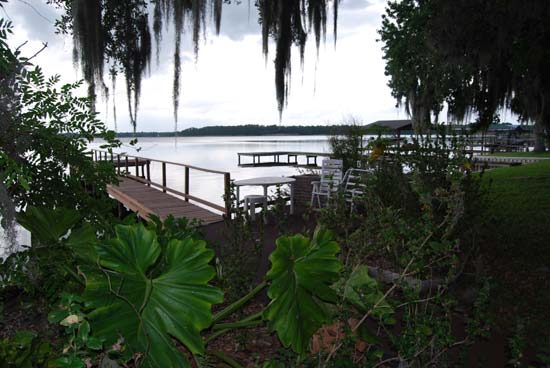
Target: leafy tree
117, 34
45, 133
348, 144
477, 56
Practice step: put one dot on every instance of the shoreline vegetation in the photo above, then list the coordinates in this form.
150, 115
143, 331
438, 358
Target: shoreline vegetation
259, 130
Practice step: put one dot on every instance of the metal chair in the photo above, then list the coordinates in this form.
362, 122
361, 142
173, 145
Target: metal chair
331, 178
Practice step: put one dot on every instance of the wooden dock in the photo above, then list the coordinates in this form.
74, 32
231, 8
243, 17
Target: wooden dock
493, 162
139, 193
282, 158
146, 201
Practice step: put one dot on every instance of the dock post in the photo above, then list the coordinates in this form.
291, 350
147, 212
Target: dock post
239, 158
126, 162
118, 163
137, 167
227, 192
164, 177
186, 184
149, 172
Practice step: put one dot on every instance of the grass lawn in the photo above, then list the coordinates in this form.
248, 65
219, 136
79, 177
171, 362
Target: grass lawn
521, 154
516, 248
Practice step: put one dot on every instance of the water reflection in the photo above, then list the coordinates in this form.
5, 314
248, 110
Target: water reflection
217, 153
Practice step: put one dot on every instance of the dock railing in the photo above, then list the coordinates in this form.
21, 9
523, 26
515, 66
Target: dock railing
125, 163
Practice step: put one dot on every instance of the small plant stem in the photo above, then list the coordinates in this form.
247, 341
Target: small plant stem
223, 326
221, 332
224, 358
75, 275
239, 303
401, 277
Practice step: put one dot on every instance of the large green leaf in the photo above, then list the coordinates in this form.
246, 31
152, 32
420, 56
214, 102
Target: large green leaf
47, 226
302, 271
149, 307
363, 292
82, 241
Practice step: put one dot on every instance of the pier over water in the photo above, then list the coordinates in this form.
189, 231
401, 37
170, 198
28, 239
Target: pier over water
139, 193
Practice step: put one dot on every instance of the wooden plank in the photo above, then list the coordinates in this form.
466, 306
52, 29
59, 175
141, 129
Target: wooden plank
146, 201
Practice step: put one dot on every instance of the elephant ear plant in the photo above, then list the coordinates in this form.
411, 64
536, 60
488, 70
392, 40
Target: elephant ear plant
301, 274
147, 306
150, 295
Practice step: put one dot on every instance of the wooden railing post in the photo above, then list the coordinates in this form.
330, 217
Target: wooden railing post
149, 172
164, 177
137, 166
227, 194
95, 155
118, 163
186, 184
126, 162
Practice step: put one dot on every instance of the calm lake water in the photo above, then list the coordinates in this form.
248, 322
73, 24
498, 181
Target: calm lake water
218, 153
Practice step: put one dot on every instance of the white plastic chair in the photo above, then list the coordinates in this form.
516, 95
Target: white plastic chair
250, 202
354, 186
331, 178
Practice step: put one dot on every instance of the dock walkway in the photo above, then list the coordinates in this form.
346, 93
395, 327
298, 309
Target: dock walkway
139, 193
147, 201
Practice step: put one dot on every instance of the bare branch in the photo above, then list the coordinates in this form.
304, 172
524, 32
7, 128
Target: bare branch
36, 11
44, 45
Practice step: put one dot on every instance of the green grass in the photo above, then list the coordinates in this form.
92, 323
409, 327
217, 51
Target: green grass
520, 203
521, 154
515, 245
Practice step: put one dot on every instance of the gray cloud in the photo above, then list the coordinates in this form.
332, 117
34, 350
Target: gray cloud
239, 20
37, 18
357, 13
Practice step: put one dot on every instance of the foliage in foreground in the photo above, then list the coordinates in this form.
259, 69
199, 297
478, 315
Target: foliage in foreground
145, 286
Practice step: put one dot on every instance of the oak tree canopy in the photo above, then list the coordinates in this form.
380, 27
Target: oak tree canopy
475, 56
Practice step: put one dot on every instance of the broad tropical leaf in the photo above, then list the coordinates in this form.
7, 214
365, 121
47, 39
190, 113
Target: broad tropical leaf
47, 226
82, 241
363, 292
149, 307
302, 271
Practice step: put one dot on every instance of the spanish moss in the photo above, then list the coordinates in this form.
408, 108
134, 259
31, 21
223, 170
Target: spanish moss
89, 41
476, 56
116, 33
289, 22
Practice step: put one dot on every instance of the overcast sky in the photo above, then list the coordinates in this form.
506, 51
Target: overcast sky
231, 83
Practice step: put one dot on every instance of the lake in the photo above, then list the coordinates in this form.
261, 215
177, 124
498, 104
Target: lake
217, 153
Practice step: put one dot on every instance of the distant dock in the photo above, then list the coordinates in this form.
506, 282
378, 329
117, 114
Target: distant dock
282, 158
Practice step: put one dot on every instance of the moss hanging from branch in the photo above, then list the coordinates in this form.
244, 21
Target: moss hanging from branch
476, 56
289, 22
116, 33
89, 41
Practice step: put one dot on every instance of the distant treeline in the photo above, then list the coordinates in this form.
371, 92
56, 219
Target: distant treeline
248, 130
256, 130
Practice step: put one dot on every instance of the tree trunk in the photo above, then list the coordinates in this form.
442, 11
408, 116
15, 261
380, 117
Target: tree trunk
539, 137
